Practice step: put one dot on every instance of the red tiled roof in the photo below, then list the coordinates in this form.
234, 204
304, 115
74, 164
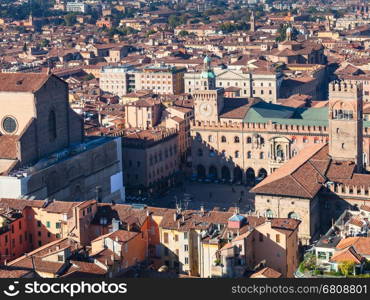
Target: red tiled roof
22, 82
348, 254
266, 273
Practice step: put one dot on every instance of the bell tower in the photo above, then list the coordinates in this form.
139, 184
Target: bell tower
252, 22
345, 122
207, 77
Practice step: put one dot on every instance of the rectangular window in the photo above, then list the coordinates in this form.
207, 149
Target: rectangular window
278, 238
165, 238
186, 248
176, 238
48, 224
57, 225
38, 223
186, 260
185, 235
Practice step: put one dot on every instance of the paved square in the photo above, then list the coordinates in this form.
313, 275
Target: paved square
193, 194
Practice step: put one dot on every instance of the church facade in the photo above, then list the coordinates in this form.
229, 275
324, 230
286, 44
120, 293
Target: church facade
43, 151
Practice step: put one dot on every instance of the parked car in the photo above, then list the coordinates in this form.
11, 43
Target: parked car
208, 180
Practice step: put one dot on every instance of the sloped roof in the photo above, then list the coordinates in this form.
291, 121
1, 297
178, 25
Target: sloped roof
266, 273
22, 82
348, 254
298, 177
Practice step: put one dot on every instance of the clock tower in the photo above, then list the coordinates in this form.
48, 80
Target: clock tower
208, 100
208, 104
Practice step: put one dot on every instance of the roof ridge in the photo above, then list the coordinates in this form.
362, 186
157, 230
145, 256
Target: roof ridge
299, 184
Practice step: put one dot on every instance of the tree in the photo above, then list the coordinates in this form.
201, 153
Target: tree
282, 33
346, 267
70, 19
183, 33
44, 43
175, 21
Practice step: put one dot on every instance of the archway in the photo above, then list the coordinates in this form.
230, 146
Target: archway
262, 173
269, 213
225, 173
250, 176
293, 215
201, 171
238, 174
213, 172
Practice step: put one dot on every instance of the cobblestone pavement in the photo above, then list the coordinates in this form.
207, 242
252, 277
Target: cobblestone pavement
210, 195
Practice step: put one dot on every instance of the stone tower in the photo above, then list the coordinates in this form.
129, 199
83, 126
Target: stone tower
345, 122
208, 100
252, 22
208, 104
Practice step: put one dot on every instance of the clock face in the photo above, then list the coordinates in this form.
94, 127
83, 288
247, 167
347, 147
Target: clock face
206, 109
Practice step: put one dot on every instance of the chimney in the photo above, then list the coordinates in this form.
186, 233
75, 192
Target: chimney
175, 217
116, 239
202, 209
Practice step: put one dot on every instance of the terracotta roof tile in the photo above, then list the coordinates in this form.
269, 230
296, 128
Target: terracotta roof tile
266, 273
22, 82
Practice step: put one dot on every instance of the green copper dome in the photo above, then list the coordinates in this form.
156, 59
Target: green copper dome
208, 74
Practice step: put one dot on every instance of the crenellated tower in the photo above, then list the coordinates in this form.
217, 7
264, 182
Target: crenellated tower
345, 122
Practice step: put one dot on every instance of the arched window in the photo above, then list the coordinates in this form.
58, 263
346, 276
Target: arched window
200, 152
293, 215
262, 155
249, 140
249, 154
52, 126
223, 139
269, 213
236, 139
223, 153
236, 154
198, 137
210, 138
